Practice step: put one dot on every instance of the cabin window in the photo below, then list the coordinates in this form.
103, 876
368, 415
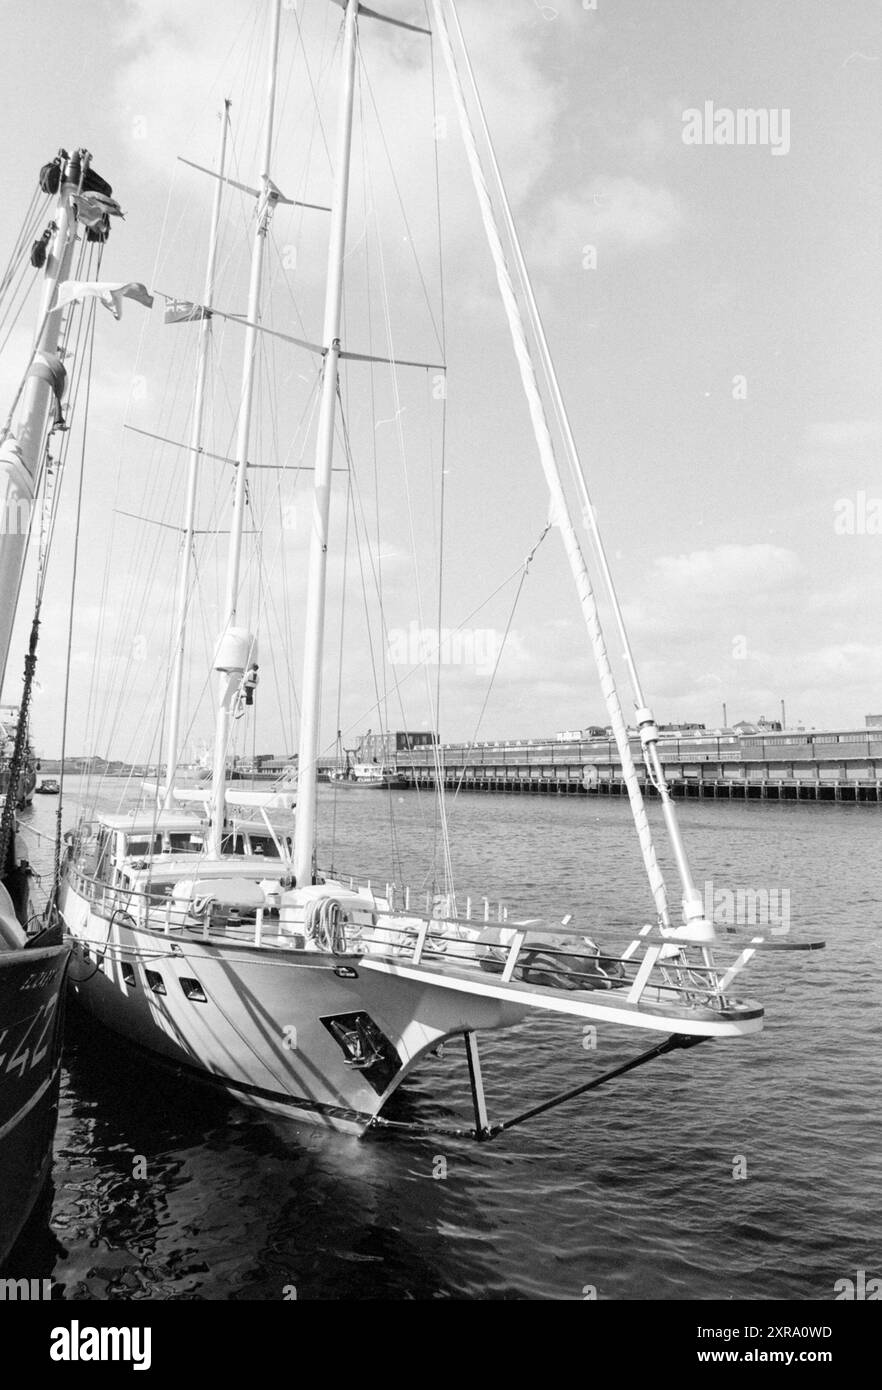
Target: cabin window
128, 974
233, 844
137, 845
154, 981
182, 842
193, 990
263, 844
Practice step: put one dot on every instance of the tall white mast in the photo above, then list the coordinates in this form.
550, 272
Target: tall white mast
173, 751
692, 901
560, 512
304, 831
236, 647
20, 449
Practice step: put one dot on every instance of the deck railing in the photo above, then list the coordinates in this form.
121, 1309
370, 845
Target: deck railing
407, 937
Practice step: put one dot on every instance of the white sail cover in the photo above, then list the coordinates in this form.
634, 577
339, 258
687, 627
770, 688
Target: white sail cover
266, 801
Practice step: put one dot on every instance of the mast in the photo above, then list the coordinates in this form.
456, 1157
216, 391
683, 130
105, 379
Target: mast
560, 512
237, 648
693, 907
173, 751
304, 830
20, 450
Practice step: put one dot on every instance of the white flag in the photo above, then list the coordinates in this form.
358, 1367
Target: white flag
92, 208
110, 294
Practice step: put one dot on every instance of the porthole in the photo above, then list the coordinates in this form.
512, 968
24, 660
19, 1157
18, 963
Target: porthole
193, 990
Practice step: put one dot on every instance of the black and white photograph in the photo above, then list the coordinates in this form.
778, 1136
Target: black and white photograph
441, 659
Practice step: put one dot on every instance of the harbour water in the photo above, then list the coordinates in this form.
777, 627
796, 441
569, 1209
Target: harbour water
744, 1170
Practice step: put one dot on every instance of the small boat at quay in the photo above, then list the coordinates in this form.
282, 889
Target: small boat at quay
379, 776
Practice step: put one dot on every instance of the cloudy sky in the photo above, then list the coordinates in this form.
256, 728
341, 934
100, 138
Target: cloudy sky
713, 309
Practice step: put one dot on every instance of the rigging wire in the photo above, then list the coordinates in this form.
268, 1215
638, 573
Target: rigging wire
336, 790
364, 81
97, 714
122, 660
20, 263
438, 754
359, 548
415, 670
378, 510
17, 303
46, 528
32, 218
525, 568
518, 328
73, 590
403, 455
410, 238
94, 713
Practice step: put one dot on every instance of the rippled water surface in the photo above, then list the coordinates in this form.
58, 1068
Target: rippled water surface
629, 1191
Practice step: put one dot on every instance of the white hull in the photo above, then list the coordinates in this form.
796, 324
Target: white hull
241, 1037
367, 779
376, 784
321, 1036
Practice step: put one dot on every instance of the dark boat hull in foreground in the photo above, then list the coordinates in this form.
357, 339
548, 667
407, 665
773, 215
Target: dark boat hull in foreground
31, 1013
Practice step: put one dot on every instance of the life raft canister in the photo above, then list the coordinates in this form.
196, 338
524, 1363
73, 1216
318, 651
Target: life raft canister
554, 962
568, 962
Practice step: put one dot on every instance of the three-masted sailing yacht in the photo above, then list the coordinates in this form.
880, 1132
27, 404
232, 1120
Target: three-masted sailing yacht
207, 935
71, 211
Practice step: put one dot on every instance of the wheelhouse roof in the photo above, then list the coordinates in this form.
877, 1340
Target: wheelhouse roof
179, 867
146, 823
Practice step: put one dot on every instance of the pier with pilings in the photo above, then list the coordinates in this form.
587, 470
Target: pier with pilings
782, 766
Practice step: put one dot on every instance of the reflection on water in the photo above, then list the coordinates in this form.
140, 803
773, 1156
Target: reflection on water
162, 1189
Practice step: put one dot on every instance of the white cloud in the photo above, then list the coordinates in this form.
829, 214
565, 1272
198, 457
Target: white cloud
840, 665
567, 101
179, 67
727, 571
613, 214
